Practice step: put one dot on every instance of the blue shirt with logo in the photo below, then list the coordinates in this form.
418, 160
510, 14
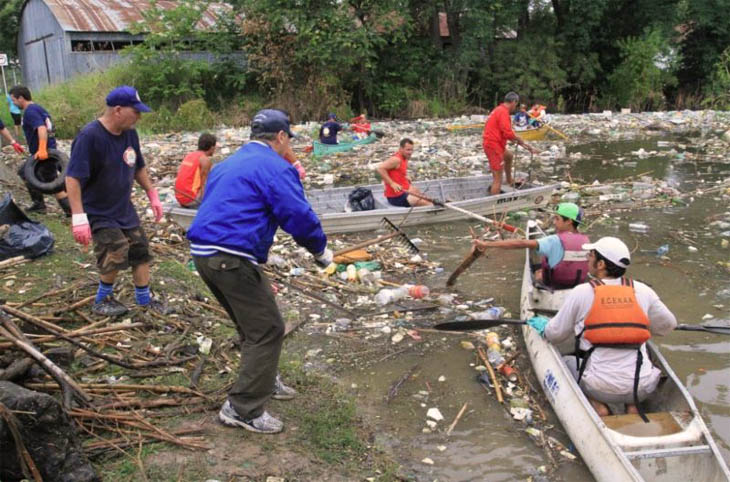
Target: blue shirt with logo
328, 132
34, 117
105, 165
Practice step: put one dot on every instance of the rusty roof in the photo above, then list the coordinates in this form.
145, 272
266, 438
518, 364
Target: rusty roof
113, 15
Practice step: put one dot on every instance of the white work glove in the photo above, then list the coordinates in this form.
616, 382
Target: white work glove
324, 258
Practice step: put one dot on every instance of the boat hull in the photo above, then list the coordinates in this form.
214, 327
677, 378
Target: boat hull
614, 454
467, 193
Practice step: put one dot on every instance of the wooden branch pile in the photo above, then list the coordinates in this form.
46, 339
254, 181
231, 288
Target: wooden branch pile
116, 390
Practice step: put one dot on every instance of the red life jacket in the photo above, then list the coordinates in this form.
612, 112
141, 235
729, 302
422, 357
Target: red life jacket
573, 268
361, 127
399, 175
188, 182
615, 320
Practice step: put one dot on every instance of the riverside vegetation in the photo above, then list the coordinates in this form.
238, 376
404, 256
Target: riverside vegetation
390, 59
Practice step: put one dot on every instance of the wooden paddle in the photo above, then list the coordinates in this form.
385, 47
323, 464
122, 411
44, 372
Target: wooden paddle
471, 325
436, 202
473, 255
557, 132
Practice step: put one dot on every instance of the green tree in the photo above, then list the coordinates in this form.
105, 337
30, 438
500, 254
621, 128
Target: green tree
9, 25
181, 60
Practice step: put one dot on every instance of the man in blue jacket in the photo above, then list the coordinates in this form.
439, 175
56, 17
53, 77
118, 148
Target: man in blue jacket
247, 198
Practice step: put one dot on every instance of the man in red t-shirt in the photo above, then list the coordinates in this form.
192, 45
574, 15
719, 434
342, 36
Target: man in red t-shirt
497, 131
193, 173
394, 172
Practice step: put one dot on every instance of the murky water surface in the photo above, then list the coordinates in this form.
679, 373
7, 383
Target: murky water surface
487, 444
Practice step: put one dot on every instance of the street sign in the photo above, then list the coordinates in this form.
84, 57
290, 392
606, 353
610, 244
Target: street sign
3, 60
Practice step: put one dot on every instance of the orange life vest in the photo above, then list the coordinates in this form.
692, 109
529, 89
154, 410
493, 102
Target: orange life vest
615, 320
616, 317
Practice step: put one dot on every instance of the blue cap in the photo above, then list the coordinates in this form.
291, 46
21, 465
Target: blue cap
126, 96
271, 121
331, 116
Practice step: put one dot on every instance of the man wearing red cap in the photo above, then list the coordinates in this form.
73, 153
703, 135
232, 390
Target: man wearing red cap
105, 161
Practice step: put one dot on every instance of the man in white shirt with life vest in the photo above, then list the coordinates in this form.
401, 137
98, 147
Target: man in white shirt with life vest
394, 171
563, 264
611, 318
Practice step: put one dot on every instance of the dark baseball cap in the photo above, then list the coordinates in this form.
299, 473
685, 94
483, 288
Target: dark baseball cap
271, 121
126, 96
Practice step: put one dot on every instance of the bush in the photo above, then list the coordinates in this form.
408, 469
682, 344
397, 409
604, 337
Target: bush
646, 69
718, 92
75, 103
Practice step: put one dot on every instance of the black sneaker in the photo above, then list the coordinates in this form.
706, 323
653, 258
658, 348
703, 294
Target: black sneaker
37, 207
158, 306
109, 307
264, 423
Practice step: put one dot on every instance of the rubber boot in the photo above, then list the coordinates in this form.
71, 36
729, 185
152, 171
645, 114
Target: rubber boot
65, 205
39, 204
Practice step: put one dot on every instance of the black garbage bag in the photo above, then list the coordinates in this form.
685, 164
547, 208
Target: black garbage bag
361, 199
25, 237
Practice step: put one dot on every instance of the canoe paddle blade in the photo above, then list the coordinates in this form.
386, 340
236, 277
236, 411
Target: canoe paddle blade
471, 325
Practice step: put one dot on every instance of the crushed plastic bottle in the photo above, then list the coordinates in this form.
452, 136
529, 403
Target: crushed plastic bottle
365, 276
638, 227
386, 295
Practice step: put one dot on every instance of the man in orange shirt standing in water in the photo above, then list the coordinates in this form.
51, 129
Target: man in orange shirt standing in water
497, 131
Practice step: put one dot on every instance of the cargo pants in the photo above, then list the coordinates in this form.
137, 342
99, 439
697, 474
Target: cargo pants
244, 291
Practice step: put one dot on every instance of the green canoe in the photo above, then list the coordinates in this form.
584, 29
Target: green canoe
325, 149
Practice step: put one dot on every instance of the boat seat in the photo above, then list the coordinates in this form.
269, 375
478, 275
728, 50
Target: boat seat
660, 423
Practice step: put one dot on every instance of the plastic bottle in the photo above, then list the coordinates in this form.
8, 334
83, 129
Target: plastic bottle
331, 269
351, 273
493, 313
492, 339
386, 295
662, 250
418, 291
365, 276
495, 357
638, 227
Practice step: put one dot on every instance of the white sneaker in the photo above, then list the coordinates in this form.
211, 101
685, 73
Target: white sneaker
281, 391
264, 423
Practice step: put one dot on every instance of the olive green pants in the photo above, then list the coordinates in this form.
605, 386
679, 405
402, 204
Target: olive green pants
244, 291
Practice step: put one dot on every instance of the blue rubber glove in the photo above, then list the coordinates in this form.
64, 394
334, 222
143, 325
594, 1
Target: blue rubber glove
538, 323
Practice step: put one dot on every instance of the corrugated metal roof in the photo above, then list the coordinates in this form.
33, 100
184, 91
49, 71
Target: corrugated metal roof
113, 15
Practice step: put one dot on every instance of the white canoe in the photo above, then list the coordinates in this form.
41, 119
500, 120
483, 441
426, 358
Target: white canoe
675, 446
470, 193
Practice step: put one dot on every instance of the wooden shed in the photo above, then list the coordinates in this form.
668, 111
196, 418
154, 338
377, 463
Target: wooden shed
59, 39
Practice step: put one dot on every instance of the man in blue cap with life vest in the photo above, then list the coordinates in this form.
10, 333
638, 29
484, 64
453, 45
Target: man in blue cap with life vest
247, 198
611, 318
564, 264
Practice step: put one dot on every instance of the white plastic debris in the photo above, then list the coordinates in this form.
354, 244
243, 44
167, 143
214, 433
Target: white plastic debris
435, 414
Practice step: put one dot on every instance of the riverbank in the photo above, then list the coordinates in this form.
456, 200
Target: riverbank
674, 180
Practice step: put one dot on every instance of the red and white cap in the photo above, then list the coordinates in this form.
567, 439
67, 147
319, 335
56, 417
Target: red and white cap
613, 249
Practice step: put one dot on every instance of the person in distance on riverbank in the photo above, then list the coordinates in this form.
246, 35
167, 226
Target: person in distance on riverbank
38, 128
497, 131
611, 318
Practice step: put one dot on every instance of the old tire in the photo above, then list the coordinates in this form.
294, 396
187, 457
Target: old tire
47, 176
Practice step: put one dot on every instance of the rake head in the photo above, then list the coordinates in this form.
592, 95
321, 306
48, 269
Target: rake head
401, 238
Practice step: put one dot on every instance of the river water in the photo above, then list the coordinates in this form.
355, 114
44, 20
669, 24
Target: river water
487, 444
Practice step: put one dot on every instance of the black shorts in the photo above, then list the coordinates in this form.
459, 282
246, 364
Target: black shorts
17, 118
117, 249
400, 201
